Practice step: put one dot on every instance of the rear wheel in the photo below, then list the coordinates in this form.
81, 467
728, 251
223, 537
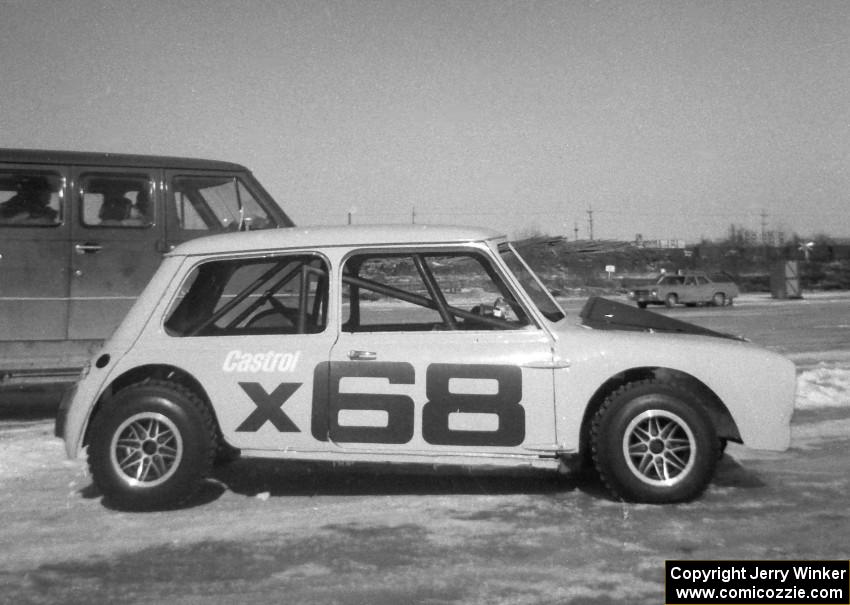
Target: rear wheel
653, 442
152, 446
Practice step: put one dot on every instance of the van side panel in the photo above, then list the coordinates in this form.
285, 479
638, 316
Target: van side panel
33, 283
33, 254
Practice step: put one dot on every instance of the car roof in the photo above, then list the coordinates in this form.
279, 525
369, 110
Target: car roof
125, 160
339, 236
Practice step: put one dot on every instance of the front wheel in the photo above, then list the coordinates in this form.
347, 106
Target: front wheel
671, 300
653, 442
152, 446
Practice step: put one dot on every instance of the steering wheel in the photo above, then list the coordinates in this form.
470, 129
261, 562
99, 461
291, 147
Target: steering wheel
279, 316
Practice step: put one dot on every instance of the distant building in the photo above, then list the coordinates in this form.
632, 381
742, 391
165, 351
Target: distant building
659, 244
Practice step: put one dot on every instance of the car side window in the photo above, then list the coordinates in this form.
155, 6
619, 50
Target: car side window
427, 291
217, 203
286, 294
116, 200
30, 198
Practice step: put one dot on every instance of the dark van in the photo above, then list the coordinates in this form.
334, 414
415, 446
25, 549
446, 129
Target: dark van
81, 234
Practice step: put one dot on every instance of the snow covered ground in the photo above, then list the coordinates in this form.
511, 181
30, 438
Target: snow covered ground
826, 386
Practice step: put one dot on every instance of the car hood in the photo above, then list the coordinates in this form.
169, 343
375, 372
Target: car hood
603, 314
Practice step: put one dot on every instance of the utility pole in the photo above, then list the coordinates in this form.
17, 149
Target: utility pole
764, 227
590, 221
413, 216
575, 230
764, 248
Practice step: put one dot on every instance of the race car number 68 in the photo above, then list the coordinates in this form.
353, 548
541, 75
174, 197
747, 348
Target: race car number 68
400, 409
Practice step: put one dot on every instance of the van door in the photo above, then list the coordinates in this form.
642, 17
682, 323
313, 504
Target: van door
116, 238
34, 231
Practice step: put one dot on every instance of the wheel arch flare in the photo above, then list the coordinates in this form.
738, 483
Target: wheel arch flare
144, 373
721, 417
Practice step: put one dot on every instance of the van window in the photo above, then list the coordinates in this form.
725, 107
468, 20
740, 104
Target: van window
116, 200
30, 198
217, 204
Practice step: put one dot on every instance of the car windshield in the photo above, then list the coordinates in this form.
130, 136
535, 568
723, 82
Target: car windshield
531, 283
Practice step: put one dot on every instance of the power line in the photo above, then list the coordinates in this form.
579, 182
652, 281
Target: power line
659, 214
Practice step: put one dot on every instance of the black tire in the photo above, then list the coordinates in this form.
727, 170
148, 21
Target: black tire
652, 441
225, 453
671, 300
152, 446
642, 305
719, 299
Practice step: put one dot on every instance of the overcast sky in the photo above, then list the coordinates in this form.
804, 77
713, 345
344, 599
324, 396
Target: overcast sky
668, 119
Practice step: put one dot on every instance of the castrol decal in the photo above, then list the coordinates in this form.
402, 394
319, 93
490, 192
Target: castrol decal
266, 362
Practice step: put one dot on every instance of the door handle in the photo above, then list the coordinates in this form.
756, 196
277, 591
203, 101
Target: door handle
88, 248
363, 355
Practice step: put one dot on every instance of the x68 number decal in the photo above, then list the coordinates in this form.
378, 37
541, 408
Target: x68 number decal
400, 410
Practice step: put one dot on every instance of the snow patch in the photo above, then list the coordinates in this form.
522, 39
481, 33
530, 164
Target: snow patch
823, 386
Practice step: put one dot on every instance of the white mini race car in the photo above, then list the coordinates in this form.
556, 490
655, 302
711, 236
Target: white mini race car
407, 344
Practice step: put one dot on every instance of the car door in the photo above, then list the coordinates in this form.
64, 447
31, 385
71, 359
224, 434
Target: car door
435, 357
705, 289
116, 241
688, 290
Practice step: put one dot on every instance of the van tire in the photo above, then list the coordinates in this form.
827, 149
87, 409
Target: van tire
152, 446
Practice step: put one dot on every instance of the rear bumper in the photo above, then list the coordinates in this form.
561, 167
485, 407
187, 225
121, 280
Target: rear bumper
644, 297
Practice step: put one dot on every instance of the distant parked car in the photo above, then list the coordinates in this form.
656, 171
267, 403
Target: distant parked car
693, 288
